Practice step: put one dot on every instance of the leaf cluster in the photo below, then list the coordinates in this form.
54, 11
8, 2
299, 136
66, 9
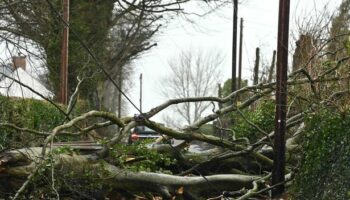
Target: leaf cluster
262, 117
137, 157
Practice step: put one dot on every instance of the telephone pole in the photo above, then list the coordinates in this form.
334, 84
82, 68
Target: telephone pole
281, 99
120, 82
256, 66
240, 55
141, 92
64, 56
234, 46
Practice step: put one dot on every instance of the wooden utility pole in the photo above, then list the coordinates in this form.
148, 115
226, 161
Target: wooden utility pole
256, 66
272, 67
240, 55
64, 56
281, 99
234, 46
120, 94
141, 92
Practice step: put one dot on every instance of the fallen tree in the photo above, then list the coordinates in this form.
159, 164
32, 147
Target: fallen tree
114, 178
236, 167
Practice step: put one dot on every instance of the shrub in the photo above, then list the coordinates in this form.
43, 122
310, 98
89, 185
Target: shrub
263, 117
27, 113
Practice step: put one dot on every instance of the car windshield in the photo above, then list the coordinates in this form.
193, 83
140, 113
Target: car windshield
144, 130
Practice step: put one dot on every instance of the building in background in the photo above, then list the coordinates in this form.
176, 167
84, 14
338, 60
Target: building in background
17, 71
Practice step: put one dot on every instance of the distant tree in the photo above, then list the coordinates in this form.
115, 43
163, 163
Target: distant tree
226, 86
115, 33
194, 73
340, 31
322, 39
90, 21
339, 46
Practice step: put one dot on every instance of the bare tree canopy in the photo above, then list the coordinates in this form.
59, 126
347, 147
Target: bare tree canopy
194, 73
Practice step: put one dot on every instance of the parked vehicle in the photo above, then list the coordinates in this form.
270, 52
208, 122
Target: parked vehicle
142, 133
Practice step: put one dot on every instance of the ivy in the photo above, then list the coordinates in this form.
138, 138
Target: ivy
325, 168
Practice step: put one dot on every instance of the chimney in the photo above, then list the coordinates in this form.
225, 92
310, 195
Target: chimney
19, 61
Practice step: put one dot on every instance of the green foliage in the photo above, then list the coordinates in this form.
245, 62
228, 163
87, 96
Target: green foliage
347, 45
262, 116
28, 113
226, 89
138, 157
325, 168
62, 150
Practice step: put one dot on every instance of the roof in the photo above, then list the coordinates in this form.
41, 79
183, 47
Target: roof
8, 87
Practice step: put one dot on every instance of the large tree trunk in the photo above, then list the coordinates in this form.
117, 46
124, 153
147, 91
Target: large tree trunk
18, 164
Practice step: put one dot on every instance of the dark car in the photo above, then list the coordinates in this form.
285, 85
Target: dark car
142, 133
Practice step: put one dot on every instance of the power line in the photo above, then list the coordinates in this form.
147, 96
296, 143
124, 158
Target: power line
82, 43
247, 52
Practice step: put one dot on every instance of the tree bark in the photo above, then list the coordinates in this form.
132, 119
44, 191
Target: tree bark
21, 163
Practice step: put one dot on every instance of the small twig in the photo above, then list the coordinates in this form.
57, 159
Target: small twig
339, 62
288, 179
24, 129
313, 88
53, 180
254, 190
73, 97
220, 197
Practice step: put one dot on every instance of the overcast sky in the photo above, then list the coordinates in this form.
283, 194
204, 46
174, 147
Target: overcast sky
215, 32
